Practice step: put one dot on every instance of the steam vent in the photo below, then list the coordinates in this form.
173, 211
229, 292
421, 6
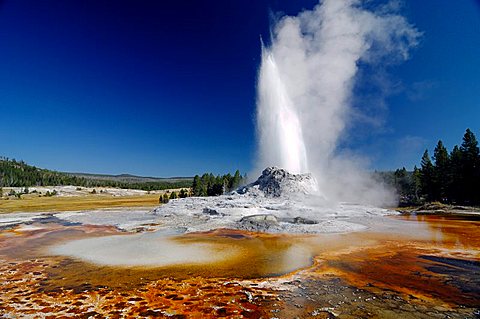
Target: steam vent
277, 182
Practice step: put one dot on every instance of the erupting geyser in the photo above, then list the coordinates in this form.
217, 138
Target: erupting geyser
279, 123
305, 86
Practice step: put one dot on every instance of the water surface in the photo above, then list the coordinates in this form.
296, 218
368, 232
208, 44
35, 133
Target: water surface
401, 267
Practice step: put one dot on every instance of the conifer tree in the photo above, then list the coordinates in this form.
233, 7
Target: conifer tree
426, 176
440, 173
470, 167
237, 178
455, 178
196, 186
416, 183
165, 198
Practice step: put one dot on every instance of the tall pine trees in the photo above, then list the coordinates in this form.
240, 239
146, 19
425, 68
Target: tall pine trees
454, 177
426, 173
440, 172
470, 168
210, 185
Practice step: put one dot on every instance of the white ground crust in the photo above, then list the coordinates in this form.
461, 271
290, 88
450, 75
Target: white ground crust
278, 202
144, 249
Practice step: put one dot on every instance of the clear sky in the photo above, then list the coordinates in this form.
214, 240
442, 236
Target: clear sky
167, 88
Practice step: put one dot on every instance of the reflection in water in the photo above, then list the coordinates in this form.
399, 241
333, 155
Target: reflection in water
452, 232
403, 266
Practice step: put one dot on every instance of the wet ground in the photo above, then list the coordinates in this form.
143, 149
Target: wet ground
402, 267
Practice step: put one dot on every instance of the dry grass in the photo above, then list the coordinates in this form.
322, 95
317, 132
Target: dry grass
33, 203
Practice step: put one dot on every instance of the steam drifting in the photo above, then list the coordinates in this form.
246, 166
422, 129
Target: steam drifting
305, 89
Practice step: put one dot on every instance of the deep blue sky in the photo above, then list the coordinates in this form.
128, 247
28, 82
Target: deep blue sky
167, 88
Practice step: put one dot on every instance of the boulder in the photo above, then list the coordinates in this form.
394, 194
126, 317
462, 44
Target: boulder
260, 222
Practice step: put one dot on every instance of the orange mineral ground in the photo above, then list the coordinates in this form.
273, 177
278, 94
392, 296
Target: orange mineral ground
401, 267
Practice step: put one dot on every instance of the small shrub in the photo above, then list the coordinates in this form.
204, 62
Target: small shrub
164, 198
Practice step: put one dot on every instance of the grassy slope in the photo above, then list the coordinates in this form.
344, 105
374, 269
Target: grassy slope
33, 203
127, 178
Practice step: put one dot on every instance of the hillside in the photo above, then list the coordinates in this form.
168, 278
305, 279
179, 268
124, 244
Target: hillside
128, 178
19, 174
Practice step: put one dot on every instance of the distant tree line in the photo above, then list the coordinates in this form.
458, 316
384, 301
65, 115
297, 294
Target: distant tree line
452, 178
19, 174
211, 185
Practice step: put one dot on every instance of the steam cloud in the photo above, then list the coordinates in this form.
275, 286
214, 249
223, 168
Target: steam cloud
305, 90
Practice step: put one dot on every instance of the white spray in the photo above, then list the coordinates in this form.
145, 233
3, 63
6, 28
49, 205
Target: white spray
280, 125
305, 89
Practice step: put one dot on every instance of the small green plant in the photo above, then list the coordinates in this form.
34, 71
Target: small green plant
164, 198
183, 193
50, 194
173, 195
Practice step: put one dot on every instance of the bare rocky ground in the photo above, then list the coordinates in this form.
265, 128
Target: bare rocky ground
441, 209
278, 202
331, 297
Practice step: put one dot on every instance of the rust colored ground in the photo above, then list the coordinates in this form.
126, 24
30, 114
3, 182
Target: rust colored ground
431, 272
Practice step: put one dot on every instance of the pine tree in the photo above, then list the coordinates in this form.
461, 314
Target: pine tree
427, 176
165, 198
196, 186
183, 193
173, 195
470, 168
416, 183
455, 177
401, 182
440, 173
237, 178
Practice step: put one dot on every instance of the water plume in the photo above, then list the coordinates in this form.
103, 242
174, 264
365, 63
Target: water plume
305, 86
281, 126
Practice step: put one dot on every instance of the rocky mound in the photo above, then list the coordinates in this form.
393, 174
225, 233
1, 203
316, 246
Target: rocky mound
277, 182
